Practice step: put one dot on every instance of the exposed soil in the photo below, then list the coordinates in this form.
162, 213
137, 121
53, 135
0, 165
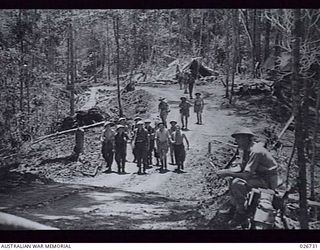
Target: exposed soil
190, 200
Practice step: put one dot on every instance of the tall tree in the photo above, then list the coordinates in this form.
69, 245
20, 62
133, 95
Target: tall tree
71, 69
298, 114
235, 18
116, 35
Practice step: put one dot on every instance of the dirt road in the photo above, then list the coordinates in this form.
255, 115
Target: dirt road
153, 201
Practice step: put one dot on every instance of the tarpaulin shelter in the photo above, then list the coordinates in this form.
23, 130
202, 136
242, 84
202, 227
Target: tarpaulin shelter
193, 65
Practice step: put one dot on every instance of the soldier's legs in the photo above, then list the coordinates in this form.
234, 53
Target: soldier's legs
138, 153
109, 158
182, 121
118, 161
186, 122
172, 154
123, 162
186, 88
238, 191
134, 155
190, 90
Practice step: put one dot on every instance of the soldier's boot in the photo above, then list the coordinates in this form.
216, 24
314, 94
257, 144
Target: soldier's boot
139, 171
119, 170
161, 165
144, 168
165, 164
178, 168
158, 163
182, 166
172, 160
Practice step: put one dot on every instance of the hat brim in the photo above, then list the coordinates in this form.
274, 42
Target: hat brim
173, 122
183, 98
237, 134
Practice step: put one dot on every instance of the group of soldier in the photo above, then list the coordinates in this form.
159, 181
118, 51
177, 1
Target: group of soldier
146, 142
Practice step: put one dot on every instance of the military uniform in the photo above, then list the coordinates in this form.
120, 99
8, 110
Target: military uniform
108, 147
184, 112
179, 150
151, 146
162, 138
171, 148
262, 167
141, 148
121, 150
164, 110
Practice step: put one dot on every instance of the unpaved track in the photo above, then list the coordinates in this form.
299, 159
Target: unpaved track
153, 201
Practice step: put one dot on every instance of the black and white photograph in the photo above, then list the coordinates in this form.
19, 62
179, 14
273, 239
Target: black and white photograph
159, 119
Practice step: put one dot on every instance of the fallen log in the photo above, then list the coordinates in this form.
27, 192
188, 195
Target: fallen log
67, 131
286, 126
13, 222
229, 144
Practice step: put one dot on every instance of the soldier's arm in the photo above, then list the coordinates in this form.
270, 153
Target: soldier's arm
134, 137
185, 137
230, 173
102, 136
172, 138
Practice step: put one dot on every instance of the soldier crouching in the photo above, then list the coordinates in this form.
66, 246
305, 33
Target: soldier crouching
258, 170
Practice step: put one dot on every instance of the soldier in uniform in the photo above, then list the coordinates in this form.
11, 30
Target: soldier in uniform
156, 154
163, 139
136, 120
184, 112
257, 170
163, 108
198, 107
140, 142
151, 133
121, 139
173, 124
179, 150
108, 140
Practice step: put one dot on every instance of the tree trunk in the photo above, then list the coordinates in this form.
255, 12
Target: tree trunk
314, 148
258, 36
267, 40
299, 132
253, 49
227, 42
116, 35
21, 63
201, 33
108, 51
103, 57
234, 49
71, 70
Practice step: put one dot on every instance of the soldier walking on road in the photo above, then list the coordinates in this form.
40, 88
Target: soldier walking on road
136, 120
163, 109
108, 140
198, 107
156, 154
184, 112
151, 134
191, 81
178, 146
121, 139
140, 142
173, 124
163, 139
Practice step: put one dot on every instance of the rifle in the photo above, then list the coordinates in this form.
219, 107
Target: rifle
232, 159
